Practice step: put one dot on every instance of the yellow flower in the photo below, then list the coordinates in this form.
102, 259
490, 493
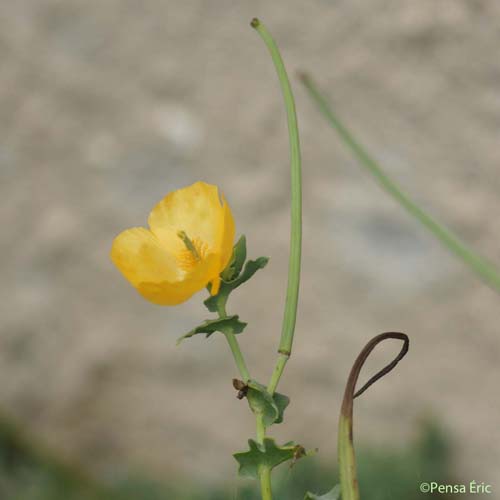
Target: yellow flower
188, 245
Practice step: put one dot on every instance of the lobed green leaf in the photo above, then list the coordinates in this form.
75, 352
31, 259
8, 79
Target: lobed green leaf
251, 267
236, 273
229, 324
281, 402
238, 258
270, 407
267, 454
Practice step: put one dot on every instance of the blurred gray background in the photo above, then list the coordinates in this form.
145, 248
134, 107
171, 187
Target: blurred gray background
107, 105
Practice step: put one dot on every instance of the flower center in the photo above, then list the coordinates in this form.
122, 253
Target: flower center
193, 253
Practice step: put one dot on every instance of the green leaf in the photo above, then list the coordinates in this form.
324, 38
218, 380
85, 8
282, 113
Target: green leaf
261, 402
214, 303
333, 494
238, 258
217, 302
267, 454
251, 267
229, 324
282, 402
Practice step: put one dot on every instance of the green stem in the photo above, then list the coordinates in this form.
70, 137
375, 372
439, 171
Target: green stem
278, 371
292, 293
238, 356
234, 346
480, 266
265, 483
261, 428
264, 472
347, 460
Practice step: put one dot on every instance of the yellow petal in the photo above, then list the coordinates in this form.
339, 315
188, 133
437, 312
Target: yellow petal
195, 209
137, 253
226, 235
154, 272
170, 294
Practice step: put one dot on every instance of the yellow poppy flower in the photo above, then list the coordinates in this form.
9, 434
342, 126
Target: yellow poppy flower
188, 245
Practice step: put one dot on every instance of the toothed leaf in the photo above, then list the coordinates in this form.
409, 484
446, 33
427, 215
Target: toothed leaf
261, 402
238, 258
238, 275
267, 454
281, 402
230, 324
251, 267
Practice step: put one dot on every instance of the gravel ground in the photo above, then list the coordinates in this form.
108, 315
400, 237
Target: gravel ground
107, 105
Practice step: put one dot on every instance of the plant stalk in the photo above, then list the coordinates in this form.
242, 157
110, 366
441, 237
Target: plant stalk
238, 356
292, 293
479, 265
346, 455
265, 483
264, 472
235, 347
278, 371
